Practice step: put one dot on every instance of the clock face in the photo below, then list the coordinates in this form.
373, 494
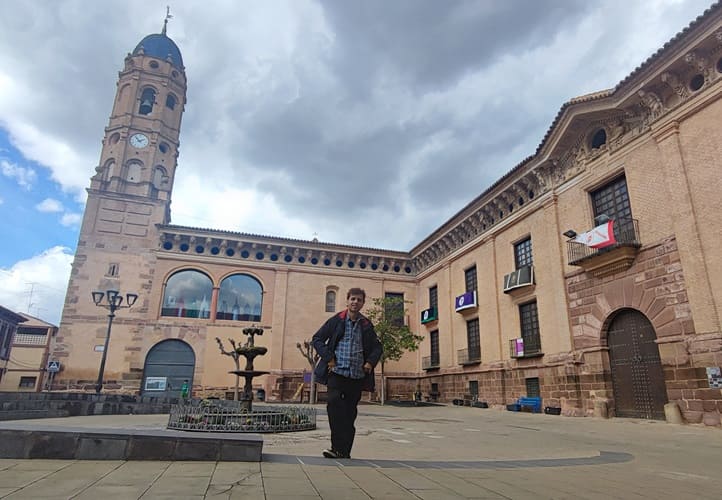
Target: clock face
138, 140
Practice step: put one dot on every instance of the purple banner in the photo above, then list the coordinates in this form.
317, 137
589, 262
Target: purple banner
465, 301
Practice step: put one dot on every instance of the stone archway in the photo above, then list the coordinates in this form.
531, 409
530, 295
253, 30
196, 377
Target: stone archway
637, 376
168, 364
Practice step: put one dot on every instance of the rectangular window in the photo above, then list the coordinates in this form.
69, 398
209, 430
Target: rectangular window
27, 382
612, 201
6, 337
532, 387
434, 338
395, 311
522, 254
472, 339
474, 388
113, 269
529, 319
470, 278
434, 298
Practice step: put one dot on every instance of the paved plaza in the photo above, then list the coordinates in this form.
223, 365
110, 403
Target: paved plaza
431, 453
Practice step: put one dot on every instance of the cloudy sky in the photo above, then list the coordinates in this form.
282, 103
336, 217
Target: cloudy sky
360, 122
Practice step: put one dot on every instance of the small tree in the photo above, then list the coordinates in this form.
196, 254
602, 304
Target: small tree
235, 355
387, 314
307, 350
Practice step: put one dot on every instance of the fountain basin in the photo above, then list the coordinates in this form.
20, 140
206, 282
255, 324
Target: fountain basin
205, 415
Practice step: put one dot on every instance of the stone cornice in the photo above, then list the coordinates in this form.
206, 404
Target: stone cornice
180, 240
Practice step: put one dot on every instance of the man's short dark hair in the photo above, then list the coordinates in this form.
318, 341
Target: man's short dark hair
356, 291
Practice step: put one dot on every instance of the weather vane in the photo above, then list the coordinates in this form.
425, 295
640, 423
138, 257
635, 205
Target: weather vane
167, 17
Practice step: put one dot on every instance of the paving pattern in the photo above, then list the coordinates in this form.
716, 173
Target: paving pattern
409, 453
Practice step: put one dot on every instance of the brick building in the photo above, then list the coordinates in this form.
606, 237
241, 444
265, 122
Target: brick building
508, 294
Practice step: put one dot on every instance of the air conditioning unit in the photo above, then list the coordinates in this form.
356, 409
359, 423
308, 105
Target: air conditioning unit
524, 276
516, 348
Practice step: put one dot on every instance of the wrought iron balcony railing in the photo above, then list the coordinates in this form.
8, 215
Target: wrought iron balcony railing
469, 356
520, 348
429, 362
626, 234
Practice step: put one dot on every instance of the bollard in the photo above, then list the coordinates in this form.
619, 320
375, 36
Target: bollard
672, 413
600, 409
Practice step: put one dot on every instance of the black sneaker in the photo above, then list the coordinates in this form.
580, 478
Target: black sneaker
331, 453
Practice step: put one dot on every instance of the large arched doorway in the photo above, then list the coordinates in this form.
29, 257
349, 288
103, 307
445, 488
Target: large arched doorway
168, 364
637, 375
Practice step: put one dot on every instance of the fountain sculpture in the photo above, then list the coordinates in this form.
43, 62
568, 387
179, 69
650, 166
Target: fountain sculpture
217, 415
249, 351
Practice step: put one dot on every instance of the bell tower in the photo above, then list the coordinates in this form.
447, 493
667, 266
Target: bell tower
128, 197
140, 148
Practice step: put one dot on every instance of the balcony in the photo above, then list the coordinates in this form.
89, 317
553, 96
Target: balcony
618, 257
469, 356
430, 362
518, 348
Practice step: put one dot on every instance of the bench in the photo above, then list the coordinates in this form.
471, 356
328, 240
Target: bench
532, 404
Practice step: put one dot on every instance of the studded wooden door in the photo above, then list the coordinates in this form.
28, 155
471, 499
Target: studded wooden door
637, 375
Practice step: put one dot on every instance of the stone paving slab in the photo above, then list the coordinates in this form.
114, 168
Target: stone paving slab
408, 453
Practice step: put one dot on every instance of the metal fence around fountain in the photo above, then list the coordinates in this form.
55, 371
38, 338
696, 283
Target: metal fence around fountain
231, 416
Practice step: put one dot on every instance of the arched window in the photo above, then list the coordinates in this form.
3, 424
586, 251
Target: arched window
134, 169
160, 177
108, 170
187, 295
599, 139
330, 301
147, 100
240, 298
170, 101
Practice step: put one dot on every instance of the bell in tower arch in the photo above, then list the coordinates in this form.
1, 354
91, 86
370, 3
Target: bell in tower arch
146, 107
146, 102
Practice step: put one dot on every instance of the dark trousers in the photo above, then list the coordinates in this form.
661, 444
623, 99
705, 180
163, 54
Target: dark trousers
342, 401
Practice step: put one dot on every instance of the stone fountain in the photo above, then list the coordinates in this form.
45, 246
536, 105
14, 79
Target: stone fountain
217, 415
249, 351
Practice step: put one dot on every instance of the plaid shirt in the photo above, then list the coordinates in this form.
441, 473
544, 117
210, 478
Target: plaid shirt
349, 352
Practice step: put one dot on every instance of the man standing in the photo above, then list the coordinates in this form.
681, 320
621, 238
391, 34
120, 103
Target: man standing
348, 349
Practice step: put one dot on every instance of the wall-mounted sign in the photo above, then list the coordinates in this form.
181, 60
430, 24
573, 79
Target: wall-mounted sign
99, 348
714, 377
155, 383
428, 315
465, 301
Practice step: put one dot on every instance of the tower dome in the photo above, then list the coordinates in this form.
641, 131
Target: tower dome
162, 47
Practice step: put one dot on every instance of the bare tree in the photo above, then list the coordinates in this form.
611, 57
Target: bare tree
235, 355
307, 350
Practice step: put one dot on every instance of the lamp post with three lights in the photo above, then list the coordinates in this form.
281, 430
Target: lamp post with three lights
111, 300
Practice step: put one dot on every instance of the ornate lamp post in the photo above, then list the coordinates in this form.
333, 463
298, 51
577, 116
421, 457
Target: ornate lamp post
111, 300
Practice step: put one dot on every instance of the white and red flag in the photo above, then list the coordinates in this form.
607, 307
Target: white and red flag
599, 237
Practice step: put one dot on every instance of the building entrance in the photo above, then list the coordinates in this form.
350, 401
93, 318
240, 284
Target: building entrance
637, 375
168, 364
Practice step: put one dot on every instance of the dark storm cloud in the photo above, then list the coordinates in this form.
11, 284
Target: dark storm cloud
397, 112
433, 43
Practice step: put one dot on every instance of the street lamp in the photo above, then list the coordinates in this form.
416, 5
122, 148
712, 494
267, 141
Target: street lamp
113, 301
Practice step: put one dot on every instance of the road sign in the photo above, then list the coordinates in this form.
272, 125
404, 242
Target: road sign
54, 366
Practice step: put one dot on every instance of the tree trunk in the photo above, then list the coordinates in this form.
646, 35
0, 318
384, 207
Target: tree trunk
383, 384
312, 393
238, 378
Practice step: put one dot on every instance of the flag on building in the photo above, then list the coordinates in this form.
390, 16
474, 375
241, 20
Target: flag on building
599, 237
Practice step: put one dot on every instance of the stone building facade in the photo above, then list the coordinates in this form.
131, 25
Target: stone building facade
509, 298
